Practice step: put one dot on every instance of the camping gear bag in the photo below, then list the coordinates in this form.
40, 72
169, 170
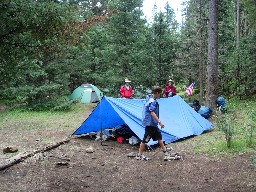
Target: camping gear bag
221, 104
205, 112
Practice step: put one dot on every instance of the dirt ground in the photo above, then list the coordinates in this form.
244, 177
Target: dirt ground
70, 168
109, 169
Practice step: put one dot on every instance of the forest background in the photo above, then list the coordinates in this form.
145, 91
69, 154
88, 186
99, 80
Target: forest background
49, 47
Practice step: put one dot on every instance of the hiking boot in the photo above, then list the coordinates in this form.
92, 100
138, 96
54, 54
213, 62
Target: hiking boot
141, 157
167, 153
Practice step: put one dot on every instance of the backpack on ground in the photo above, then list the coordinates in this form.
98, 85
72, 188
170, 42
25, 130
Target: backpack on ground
221, 104
205, 111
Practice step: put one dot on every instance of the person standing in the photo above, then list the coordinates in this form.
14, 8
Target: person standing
170, 89
126, 89
150, 119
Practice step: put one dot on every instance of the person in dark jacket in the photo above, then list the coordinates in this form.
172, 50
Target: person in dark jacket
126, 89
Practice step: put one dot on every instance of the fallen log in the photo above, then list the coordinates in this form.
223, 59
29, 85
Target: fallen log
22, 156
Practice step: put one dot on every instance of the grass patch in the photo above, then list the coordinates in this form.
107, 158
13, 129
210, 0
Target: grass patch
212, 145
253, 164
30, 129
48, 126
240, 119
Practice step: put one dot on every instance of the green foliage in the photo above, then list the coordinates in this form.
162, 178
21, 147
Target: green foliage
240, 120
226, 43
164, 45
247, 56
124, 30
32, 35
253, 164
227, 126
48, 48
250, 7
237, 56
193, 53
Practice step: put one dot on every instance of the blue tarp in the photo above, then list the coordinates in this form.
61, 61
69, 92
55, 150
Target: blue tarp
179, 118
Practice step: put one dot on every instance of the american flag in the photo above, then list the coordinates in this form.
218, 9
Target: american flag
190, 88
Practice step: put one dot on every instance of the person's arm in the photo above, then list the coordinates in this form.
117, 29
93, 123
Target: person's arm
122, 91
157, 119
131, 90
174, 91
166, 91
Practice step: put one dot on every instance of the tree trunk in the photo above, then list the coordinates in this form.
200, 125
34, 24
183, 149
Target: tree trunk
22, 156
212, 64
201, 58
238, 21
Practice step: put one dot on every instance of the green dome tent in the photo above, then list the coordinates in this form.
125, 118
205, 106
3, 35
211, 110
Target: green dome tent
86, 93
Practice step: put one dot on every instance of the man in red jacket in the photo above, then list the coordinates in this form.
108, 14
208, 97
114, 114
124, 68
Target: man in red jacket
170, 89
126, 89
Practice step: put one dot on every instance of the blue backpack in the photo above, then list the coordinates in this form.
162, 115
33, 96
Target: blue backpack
221, 104
205, 111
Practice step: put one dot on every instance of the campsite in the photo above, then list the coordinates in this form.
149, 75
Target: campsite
69, 167
127, 95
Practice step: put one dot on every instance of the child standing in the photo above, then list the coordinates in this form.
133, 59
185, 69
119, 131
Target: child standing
150, 119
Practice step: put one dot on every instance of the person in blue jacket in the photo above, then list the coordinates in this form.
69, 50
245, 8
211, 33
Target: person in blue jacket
150, 119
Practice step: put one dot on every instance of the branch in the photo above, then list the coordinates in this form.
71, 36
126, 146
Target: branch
22, 156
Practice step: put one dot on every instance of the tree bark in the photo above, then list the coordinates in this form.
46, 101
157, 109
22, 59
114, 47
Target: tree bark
201, 58
212, 64
238, 21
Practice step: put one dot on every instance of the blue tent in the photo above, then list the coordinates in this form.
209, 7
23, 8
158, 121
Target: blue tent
179, 118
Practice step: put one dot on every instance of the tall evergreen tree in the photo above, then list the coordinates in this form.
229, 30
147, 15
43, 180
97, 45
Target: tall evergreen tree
124, 30
32, 37
226, 45
212, 65
164, 47
193, 55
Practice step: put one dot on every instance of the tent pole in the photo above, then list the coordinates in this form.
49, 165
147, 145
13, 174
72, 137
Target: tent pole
101, 123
